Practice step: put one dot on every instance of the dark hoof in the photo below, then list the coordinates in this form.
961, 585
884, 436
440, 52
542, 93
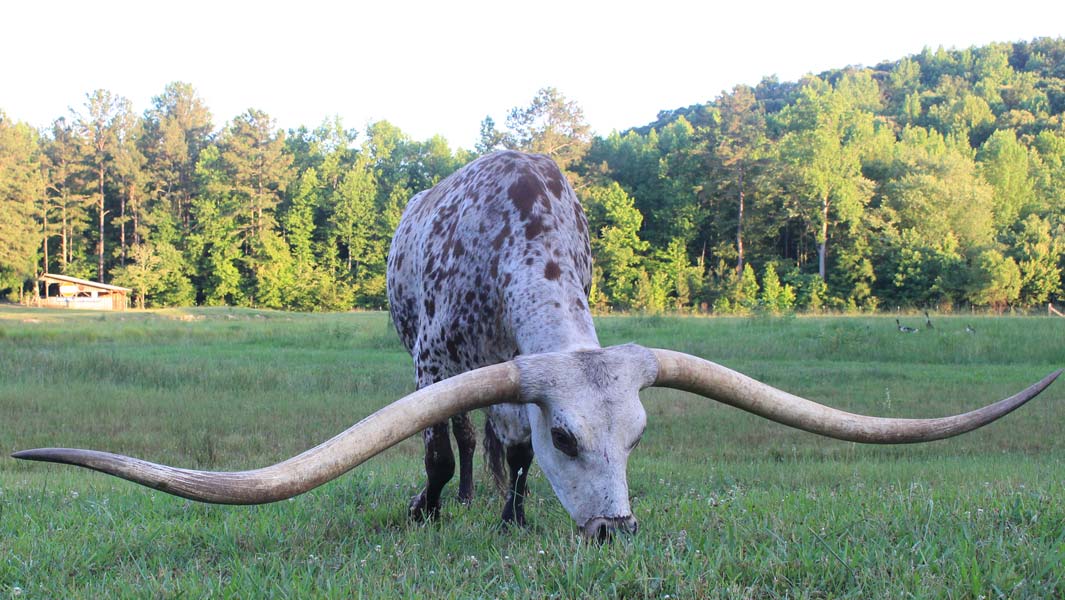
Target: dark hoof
513, 525
419, 509
510, 519
466, 497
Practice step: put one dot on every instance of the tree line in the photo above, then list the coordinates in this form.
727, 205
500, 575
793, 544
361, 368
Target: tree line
934, 181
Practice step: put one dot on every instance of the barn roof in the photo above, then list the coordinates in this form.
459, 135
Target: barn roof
50, 277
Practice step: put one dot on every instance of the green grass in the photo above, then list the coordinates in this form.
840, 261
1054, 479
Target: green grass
730, 505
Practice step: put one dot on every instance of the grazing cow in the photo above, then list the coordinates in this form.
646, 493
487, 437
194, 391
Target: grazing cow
488, 283
490, 264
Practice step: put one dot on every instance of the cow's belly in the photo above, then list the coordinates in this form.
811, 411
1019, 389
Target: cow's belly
510, 423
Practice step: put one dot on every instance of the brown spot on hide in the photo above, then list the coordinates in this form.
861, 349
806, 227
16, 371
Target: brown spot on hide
582, 222
504, 233
453, 344
551, 270
554, 183
534, 227
525, 191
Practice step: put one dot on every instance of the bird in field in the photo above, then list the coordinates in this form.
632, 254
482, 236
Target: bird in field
927, 320
905, 329
969, 329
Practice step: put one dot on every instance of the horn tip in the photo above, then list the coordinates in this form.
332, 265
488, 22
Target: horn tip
1049, 379
57, 455
35, 454
1053, 376
1038, 387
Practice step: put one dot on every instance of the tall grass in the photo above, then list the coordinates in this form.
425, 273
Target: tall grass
729, 505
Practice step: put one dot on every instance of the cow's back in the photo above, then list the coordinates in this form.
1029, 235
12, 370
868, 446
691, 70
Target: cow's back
492, 262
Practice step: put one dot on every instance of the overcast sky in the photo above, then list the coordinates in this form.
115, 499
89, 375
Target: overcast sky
441, 67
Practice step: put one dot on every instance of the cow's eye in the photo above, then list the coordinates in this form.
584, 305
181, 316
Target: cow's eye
564, 441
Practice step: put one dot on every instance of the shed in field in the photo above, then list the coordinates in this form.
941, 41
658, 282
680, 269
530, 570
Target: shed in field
61, 291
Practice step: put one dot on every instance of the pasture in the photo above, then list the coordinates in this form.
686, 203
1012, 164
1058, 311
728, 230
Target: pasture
730, 505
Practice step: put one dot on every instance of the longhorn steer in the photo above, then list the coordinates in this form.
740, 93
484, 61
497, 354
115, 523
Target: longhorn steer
488, 282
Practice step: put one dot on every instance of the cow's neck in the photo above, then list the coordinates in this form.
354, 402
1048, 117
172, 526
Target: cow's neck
551, 320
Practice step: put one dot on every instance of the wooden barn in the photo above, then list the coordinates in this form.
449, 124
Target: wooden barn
61, 291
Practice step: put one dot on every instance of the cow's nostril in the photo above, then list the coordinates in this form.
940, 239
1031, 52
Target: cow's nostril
604, 532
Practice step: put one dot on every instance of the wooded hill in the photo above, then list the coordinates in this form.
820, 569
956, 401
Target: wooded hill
934, 181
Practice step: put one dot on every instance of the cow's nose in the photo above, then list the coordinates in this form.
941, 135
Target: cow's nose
601, 529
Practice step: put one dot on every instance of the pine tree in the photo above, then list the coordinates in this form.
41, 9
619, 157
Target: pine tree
257, 170
21, 187
130, 180
65, 182
176, 129
99, 129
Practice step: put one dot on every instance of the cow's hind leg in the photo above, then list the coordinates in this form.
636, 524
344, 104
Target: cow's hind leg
519, 458
439, 467
466, 438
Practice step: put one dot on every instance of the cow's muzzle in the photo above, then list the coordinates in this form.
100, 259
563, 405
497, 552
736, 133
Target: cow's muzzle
602, 529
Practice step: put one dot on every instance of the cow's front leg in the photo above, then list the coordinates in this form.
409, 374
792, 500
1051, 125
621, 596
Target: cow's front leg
466, 438
439, 467
519, 459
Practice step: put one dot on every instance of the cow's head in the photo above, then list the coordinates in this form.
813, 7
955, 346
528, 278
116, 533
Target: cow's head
586, 417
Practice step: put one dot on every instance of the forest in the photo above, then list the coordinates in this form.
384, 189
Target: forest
936, 181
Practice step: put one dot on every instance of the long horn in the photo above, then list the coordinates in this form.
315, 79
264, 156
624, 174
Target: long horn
693, 374
323, 463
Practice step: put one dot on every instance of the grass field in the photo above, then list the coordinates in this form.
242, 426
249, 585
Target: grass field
730, 505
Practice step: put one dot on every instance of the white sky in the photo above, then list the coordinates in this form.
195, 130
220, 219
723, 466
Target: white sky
441, 67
